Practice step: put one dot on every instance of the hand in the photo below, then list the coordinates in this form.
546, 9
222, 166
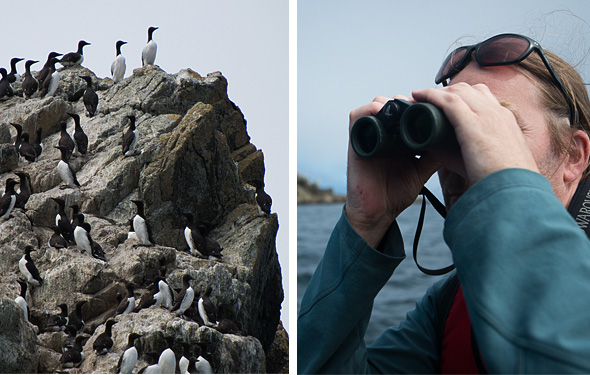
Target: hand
488, 133
379, 189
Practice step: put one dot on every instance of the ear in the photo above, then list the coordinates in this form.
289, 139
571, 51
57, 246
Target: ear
578, 159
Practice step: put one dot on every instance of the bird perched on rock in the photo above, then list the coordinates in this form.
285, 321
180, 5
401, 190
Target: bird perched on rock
30, 84
194, 238
199, 365
185, 298
130, 138
118, 66
264, 201
148, 55
212, 247
62, 222
28, 268
127, 304
5, 87
90, 98
80, 138
167, 360
74, 58
58, 322
44, 72
37, 144
140, 225
56, 240
75, 318
21, 300
19, 133
13, 75
24, 189
104, 341
73, 356
207, 309
165, 295
65, 140
49, 85
8, 200
27, 151
65, 170
128, 358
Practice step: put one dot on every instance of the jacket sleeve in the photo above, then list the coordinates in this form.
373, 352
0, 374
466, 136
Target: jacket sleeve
337, 304
524, 266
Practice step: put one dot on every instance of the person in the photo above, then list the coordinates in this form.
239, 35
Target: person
522, 278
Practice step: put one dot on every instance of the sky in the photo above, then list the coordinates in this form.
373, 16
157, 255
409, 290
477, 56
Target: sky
246, 40
349, 52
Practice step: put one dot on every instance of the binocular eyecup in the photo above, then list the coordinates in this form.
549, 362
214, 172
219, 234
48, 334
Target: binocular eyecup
402, 128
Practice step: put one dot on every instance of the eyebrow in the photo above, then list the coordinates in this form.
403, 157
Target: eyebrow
514, 111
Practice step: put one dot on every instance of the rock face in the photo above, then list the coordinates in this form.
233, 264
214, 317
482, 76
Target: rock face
310, 193
196, 157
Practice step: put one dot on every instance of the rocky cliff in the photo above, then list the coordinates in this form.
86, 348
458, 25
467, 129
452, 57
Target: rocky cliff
196, 157
311, 193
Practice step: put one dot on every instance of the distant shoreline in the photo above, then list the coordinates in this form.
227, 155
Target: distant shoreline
311, 193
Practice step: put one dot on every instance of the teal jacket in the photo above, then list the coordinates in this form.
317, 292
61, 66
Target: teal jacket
523, 264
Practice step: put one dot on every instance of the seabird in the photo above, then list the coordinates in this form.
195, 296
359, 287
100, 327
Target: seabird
225, 325
79, 136
207, 309
62, 222
73, 356
97, 251
104, 342
65, 140
26, 150
19, 133
127, 305
147, 299
30, 84
56, 240
151, 369
141, 226
68, 175
212, 247
8, 200
76, 321
185, 298
84, 239
44, 72
128, 358
167, 295
37, 144
167, 361
5, 87
90, 97
194, 238
13, 75
49, 85
148, 55
130, 138
24, 190
21, 300
74, 58
118, 66
28, 269
58, 322
264, 201
200, 365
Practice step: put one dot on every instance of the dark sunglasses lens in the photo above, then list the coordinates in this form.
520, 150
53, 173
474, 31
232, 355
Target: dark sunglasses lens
505, 50
451, 64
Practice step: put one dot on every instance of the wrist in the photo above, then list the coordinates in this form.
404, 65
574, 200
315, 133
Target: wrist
372, 229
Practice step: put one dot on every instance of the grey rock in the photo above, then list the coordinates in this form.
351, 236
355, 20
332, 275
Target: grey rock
18, 341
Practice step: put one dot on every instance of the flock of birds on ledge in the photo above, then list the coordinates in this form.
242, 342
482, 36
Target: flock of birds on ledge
75, 231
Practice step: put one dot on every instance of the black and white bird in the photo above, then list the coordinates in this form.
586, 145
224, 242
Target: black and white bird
27, 151
194, 238
200, 365
130, 138
5, 87
165, 296
60, 321
19, 134
44, 72
141, 226
8, 200
65, 170
21, 300
24, 190
30, 84
56, 240
185, 298
80, 138
75, 319
37, 143
148, 55
65, 140
74, 58
90, 97
207, 309
262, 198
73, 356
128, 358
127, 304
151, 369
13, 75
104, 341
49, 85
28, 268
118, 66
82, 236
213, 249
63, 222
167, 361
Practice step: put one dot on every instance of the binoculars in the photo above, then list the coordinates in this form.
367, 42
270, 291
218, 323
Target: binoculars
402, 128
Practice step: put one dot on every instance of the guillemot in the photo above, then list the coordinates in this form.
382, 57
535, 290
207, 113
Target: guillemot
262, 198
24, 191
50, 83
13, 75
148, 55
130, 138
66, 172
79, 136
140, 225
104, 341
30, 84
8, 199
28, 269
207, 309
127, 304
21, 300
185, 298
65, 140
118, 66
90, 97
74, 58
44, 72
27, 151
128, 358
37, 143
62, 222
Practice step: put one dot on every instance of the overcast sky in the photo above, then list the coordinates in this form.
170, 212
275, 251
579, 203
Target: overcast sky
352, 51
246, 40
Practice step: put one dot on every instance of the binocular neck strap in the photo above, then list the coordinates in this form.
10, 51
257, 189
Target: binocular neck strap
440, 208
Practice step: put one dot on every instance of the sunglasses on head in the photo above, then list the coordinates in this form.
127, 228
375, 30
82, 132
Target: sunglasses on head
503, 49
